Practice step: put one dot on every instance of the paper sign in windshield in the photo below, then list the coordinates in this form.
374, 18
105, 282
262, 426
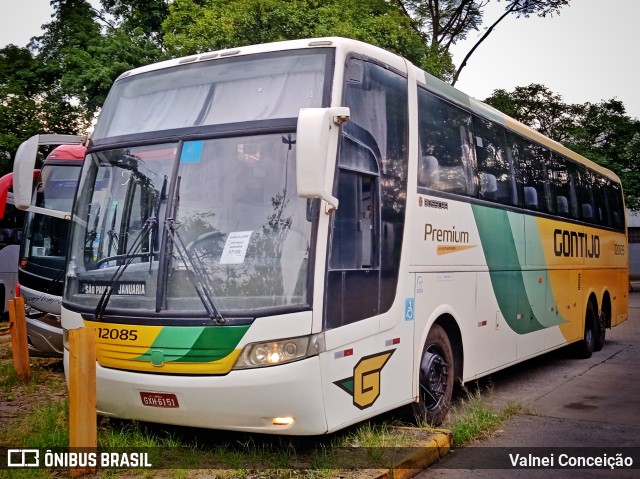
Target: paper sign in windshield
235, 248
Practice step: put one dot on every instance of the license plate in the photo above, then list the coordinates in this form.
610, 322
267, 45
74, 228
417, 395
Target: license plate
165, 400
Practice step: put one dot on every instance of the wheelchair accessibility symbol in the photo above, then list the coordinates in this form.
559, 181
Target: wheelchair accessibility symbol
409, 309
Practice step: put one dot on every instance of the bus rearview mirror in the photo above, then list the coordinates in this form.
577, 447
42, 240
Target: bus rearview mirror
318, 130
25, 163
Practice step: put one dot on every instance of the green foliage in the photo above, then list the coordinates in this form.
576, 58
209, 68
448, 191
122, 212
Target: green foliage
602, 132
60, 81
23, 115
444, 22
139, 18
536, 106
83, 59
197, 26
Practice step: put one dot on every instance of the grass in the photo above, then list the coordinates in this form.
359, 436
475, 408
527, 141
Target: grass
198, 453
230, 456
47, 427
473, 419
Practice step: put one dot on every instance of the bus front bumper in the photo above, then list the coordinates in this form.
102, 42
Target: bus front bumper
242, 400
45, 335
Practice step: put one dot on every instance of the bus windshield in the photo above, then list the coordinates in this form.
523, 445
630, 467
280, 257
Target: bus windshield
45, 244
197, 226
154, 223
231, 90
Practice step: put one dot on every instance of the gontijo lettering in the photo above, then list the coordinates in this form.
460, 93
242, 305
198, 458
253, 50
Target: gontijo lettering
575, 244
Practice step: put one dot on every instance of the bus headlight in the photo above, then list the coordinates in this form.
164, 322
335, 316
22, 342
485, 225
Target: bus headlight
270, 353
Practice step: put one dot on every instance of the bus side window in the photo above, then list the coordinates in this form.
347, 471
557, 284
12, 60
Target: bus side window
447, 161
531, 162
495, 170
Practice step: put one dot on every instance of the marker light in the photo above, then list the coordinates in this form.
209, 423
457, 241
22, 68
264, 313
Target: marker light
271, 353
283, 421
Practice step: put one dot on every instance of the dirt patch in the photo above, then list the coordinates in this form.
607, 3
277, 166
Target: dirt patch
18, 399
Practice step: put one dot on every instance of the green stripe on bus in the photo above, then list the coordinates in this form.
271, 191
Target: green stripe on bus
507, 278
187, 344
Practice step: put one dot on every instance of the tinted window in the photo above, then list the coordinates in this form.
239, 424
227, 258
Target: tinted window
446, 161
532, 162
496, 178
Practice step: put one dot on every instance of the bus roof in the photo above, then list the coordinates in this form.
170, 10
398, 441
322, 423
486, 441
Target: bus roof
68, 152
343, 44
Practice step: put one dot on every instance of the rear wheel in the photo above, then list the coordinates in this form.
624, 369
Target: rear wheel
603, 320
585, 348
436, 378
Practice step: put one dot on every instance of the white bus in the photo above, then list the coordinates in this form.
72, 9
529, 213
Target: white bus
294, 237
43, 249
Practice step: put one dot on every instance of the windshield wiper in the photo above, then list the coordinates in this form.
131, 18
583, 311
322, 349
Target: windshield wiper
196, 270
129, 256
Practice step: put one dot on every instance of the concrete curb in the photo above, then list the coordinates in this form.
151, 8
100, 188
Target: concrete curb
432, 446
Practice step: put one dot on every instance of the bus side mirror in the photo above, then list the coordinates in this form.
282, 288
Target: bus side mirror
25, 163
316, 151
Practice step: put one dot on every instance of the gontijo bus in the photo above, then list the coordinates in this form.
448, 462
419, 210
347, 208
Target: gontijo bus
293, 237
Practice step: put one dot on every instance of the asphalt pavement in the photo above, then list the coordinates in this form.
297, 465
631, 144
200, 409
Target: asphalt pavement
579, 418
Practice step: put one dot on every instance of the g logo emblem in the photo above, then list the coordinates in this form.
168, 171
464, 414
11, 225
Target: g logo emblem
364, 385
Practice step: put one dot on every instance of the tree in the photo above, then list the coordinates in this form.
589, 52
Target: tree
606, 135
60, 81
441, 23
519, 8
602, 132
28, 105
538, 107
139, 18
195, 26
75, 53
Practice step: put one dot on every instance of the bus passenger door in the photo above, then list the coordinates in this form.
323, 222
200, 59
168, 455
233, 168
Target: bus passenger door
365, 367
353, 271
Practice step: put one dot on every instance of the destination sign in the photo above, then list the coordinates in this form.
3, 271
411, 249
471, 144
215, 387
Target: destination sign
125, 288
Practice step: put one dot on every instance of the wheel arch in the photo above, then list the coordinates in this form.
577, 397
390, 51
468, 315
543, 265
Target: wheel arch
592, 298
606, 307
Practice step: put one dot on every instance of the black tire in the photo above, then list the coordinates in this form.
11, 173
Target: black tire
601, 331
585, 347
436, 378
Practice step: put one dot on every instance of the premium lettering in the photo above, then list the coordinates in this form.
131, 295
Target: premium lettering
446, 236
575, 244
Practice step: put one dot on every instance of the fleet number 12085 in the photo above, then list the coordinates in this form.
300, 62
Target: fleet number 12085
115, 334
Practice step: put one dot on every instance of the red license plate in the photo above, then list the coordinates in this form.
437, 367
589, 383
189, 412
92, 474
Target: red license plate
166, 400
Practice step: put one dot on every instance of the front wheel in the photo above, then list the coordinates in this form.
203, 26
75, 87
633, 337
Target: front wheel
436, 378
